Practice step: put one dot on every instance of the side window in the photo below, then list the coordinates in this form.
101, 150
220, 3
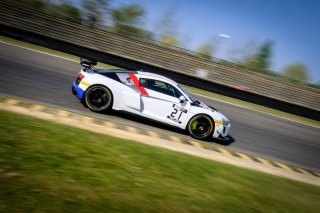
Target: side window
173, 91
160, 86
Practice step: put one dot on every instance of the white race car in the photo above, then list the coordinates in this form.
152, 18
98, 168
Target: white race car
149, 95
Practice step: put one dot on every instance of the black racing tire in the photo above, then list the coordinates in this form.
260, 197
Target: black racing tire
98, 98
200, 127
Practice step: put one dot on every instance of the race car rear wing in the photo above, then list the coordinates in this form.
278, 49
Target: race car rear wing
87, 63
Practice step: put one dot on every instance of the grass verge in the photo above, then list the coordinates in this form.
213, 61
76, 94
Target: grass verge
50, 167
191, 89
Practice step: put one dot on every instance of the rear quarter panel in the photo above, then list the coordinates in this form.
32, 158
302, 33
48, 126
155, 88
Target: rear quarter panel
114, 86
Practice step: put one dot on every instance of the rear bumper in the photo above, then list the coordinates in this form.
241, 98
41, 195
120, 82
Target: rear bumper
77, 91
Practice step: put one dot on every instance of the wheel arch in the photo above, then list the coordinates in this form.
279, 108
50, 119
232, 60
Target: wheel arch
205, 115
200, 113
97, 84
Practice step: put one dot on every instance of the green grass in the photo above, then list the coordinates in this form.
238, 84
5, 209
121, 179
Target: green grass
191, 89
48, 167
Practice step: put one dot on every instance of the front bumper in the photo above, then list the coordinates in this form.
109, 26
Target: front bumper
222, 131
225, 138
77, 91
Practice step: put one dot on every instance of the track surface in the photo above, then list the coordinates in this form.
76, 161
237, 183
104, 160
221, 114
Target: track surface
44, 78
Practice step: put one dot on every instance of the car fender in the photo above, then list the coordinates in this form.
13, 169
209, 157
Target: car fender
114, 86
215, 115
195, 110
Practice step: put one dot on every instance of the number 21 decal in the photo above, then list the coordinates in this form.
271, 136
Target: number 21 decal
177, 112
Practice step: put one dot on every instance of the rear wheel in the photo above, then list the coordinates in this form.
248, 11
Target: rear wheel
200, 126
98, 98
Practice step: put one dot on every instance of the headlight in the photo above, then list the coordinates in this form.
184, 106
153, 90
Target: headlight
225, 122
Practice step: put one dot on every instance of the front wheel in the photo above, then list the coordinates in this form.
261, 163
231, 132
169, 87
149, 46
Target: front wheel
98, 98
200, 126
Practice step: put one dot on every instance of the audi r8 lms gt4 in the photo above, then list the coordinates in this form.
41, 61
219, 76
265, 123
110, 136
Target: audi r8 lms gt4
149, 95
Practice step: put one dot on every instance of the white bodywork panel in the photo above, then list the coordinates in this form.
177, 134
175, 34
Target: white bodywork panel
164, 108
131, 99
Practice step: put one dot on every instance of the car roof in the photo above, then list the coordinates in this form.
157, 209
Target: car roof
141, 74
156, 76
102, 71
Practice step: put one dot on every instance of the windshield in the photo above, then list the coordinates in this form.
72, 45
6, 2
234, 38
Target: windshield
189, 96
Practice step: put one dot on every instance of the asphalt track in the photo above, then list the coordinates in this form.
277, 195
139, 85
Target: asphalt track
44, 78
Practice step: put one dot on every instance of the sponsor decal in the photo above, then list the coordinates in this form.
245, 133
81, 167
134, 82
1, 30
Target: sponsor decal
175, 114
85, 84
128, 81
136, 83
183, 110
217, 122
174, 119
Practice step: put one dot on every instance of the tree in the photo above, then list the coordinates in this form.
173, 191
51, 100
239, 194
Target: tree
128, 15
169, 40
297, 71
205, 51
63, 10
66, 11
242, 54
126, 20
166, 28
94, 11
36, 4
261, 61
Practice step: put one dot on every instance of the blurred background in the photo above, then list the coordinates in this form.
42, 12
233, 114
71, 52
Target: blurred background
270, 37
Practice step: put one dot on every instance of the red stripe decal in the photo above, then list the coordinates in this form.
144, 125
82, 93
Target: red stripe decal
136, 83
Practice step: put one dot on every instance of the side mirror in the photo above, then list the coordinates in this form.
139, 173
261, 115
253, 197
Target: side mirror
182, 99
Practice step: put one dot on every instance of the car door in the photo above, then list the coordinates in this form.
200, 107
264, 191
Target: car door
162, 103
130, 95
